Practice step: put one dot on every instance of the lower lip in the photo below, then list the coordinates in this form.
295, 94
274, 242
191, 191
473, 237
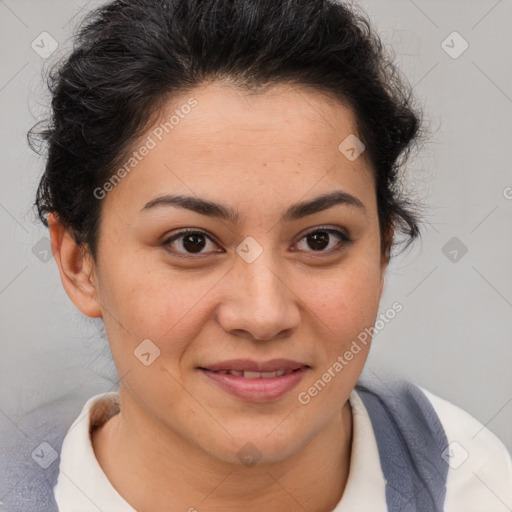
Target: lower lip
256, 390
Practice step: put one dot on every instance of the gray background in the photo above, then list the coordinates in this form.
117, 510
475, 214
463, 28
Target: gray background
453, 336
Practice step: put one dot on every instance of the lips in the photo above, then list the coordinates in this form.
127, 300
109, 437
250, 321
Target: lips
256, 381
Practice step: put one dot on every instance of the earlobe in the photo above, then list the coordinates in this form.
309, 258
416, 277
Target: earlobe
76, 268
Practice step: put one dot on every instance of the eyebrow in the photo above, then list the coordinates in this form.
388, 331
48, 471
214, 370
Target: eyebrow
294, 212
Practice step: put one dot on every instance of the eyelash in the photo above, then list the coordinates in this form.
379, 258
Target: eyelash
343, 240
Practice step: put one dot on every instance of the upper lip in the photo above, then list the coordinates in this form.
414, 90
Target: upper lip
255, 366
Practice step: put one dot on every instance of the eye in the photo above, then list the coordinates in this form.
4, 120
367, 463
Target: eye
189, 241
324, 240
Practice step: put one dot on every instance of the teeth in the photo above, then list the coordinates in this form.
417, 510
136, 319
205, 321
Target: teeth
252, 375
248, 374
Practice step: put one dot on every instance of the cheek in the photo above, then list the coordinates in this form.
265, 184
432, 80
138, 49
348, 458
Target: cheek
346, 302
143, 300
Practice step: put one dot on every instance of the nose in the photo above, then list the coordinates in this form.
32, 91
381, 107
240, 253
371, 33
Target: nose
259, 301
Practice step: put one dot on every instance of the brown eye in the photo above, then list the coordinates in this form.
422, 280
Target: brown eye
190, 242
194, 242
324, 240
318, 240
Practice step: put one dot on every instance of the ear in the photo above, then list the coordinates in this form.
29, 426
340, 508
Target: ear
76, 268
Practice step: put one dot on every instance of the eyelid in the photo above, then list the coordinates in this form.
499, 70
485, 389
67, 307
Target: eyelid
328, 227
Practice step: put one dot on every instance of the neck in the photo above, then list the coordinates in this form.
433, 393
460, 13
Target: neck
174, 472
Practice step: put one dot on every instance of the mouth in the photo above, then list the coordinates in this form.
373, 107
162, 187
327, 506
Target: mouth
256, 381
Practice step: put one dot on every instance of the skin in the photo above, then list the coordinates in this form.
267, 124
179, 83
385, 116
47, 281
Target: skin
177, 432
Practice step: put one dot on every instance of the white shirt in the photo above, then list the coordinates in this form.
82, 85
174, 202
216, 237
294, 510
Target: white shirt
479, 477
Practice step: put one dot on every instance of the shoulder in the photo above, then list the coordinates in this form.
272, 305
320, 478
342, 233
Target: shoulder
480, 467
473, 462
29, 454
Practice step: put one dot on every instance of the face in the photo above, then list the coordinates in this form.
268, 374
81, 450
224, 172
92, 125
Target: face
248, 274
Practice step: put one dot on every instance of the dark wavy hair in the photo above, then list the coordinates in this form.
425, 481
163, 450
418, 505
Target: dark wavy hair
131, 56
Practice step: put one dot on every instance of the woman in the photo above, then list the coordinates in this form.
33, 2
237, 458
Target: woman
222, 189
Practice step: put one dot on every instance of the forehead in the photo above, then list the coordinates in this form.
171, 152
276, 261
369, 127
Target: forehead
217, 140
282, 115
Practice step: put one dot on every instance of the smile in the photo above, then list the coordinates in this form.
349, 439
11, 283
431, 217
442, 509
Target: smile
255, 382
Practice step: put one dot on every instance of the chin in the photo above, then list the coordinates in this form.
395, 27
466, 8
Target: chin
259, 447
